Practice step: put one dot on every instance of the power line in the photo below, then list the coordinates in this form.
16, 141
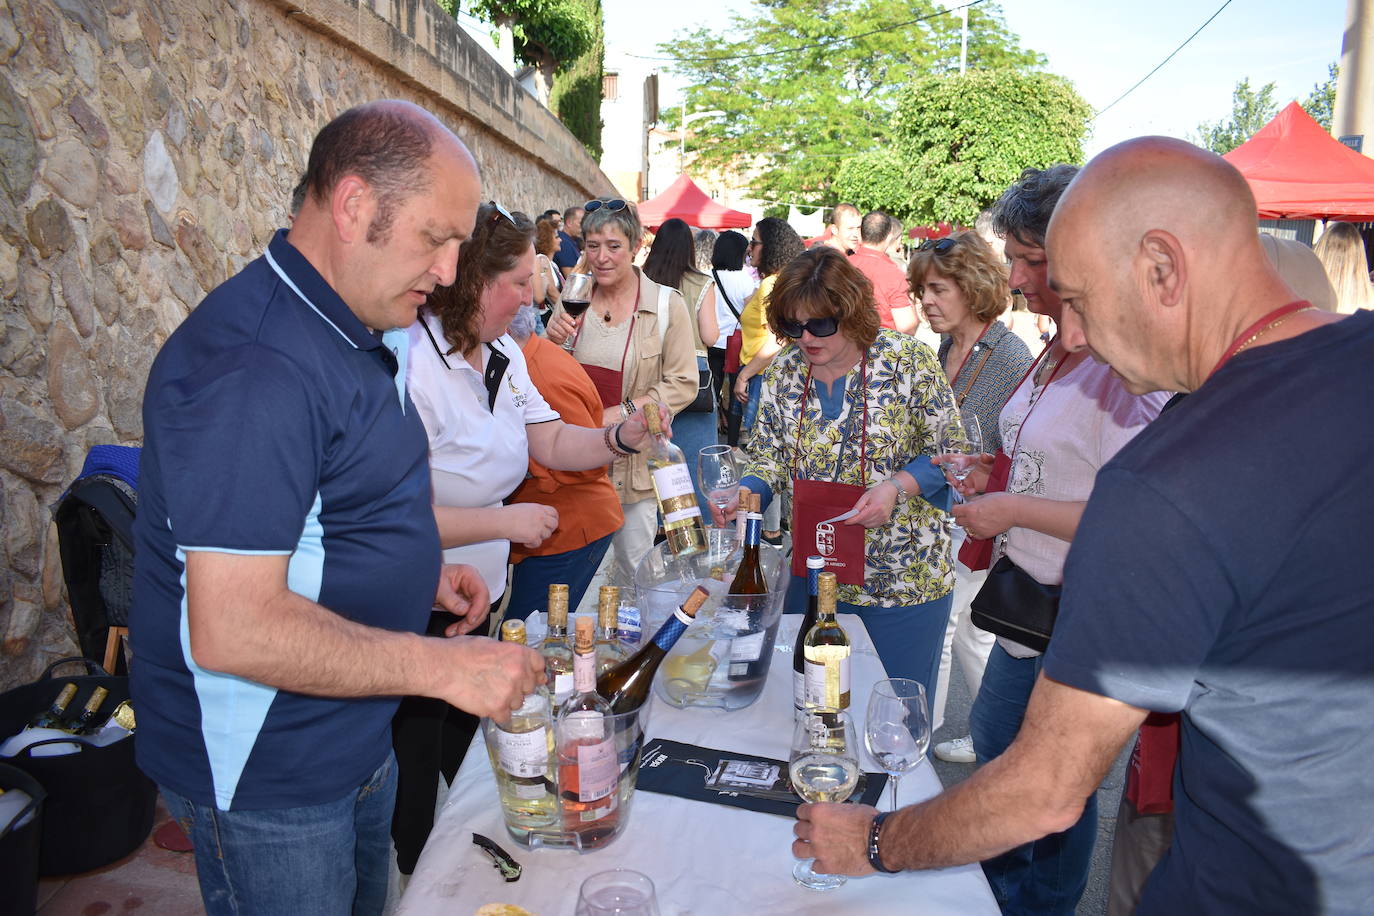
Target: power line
827, 43
1102, 111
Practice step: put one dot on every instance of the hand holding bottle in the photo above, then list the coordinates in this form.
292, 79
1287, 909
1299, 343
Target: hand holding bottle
463, 593
634, 431
483, 676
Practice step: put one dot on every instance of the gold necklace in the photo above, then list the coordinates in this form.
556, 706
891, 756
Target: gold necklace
1269, 327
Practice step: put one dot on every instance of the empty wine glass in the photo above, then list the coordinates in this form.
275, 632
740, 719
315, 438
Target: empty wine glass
961, 443
577, 296
823, 767
897, 728
718, 475
617, 892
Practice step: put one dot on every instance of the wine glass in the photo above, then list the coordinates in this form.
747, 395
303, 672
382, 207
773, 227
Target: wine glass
617, 892
718, 475
823, 767
897, 729
961, 441
577, 296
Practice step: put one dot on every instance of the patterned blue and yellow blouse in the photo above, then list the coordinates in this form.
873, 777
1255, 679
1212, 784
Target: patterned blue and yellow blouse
908, 559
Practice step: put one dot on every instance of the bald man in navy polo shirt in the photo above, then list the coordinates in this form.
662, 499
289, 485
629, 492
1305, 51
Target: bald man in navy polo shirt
287, 552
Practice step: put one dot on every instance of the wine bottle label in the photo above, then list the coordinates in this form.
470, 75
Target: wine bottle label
529, 791
746, 648
799, 689
597, 770
523, 753
585, 723
673, 480
562, 687
827, 681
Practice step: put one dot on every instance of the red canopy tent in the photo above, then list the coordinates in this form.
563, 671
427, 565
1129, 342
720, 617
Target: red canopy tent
1299, 171
689, 203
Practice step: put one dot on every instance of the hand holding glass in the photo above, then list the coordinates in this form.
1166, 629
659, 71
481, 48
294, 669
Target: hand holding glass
961, 442
823, 767
718, 476
577, 295
897, 728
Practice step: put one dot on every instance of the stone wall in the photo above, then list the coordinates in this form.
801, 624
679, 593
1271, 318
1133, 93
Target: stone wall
147, 151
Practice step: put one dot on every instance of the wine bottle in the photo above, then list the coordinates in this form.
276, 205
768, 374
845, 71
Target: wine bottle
827, 651
52, 716
521, 753
626, 686
84, 723
749, 601
558, 657
588, 769
610, 651
814, 565
677, 495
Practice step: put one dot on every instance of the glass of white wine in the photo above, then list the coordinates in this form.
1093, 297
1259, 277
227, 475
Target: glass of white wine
961, 442
823, 767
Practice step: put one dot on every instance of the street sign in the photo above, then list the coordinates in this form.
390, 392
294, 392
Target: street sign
1354, 141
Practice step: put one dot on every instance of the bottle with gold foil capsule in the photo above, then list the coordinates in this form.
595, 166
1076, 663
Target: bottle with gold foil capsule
85, 721
521, 752
558, 656
588, 766
53, 716
610, 651
677, 495
827, 651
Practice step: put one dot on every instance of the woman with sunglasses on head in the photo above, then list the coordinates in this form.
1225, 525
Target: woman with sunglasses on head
637, 343
961, 286
847, 425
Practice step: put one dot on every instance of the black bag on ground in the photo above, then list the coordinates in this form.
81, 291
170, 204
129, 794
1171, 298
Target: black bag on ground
100, 805
19, 846
1012, 604
95, 533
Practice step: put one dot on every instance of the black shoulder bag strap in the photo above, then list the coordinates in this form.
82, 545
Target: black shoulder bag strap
720, 286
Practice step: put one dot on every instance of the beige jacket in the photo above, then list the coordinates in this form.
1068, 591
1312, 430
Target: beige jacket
665, 371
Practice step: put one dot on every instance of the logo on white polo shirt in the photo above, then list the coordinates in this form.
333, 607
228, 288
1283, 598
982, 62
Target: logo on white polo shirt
518, 397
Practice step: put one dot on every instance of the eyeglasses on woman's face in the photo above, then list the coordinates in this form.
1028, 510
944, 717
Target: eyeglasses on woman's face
816, 327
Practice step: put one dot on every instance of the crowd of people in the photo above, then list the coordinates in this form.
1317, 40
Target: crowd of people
406, 422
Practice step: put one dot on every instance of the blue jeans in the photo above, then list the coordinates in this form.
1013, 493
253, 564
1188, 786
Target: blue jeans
529, 585
328, 859
1047, 875
751, 410
908, 638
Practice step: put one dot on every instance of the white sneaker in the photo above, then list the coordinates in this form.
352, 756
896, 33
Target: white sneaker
960, 750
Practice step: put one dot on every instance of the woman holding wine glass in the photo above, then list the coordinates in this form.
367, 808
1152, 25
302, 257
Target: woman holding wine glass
846, 429
1064, 420
637, 343
961, 285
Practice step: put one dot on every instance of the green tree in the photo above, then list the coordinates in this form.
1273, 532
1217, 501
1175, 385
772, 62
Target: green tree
576, 95
830, 91
548, 34
1250, 110
1321, 102
959, 141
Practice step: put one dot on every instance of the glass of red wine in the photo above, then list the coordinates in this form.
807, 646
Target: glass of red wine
577, 295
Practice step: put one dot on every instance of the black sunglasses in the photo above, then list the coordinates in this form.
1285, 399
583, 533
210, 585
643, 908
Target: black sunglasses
499, 211
592, 206
819, 327
939, 247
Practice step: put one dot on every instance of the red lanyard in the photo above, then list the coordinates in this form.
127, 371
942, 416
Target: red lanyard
863, 433
1034, 398
1246, 337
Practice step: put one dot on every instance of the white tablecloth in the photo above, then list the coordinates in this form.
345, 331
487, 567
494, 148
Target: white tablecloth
704, 859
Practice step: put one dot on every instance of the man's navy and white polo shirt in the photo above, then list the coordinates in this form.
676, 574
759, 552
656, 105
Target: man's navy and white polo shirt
276, 423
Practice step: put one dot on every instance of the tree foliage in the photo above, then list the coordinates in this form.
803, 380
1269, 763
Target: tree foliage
576, 95
832, 93
1250, 110
959, 141
1321, 102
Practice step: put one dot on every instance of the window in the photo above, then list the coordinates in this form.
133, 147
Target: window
610, 86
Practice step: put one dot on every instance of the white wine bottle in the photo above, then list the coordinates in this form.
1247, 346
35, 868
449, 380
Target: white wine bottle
626, 686
610, 651
677, 495
558, 657
814, 565
827, 651
521, 754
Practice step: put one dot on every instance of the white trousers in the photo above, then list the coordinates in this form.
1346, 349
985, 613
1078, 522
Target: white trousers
633, 540
971, 644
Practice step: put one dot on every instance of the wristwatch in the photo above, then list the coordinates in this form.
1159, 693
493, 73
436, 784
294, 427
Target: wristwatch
901, 490
875, 858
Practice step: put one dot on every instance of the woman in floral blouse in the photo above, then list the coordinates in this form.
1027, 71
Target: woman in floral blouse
847, 422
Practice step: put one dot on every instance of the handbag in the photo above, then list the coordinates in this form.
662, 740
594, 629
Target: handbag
735, 342
705, 401
1013, 604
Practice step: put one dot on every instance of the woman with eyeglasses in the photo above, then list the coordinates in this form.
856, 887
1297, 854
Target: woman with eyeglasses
637, 343
846, 428
962, 288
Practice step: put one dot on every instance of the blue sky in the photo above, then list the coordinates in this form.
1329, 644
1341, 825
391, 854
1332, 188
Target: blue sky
1104, 47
